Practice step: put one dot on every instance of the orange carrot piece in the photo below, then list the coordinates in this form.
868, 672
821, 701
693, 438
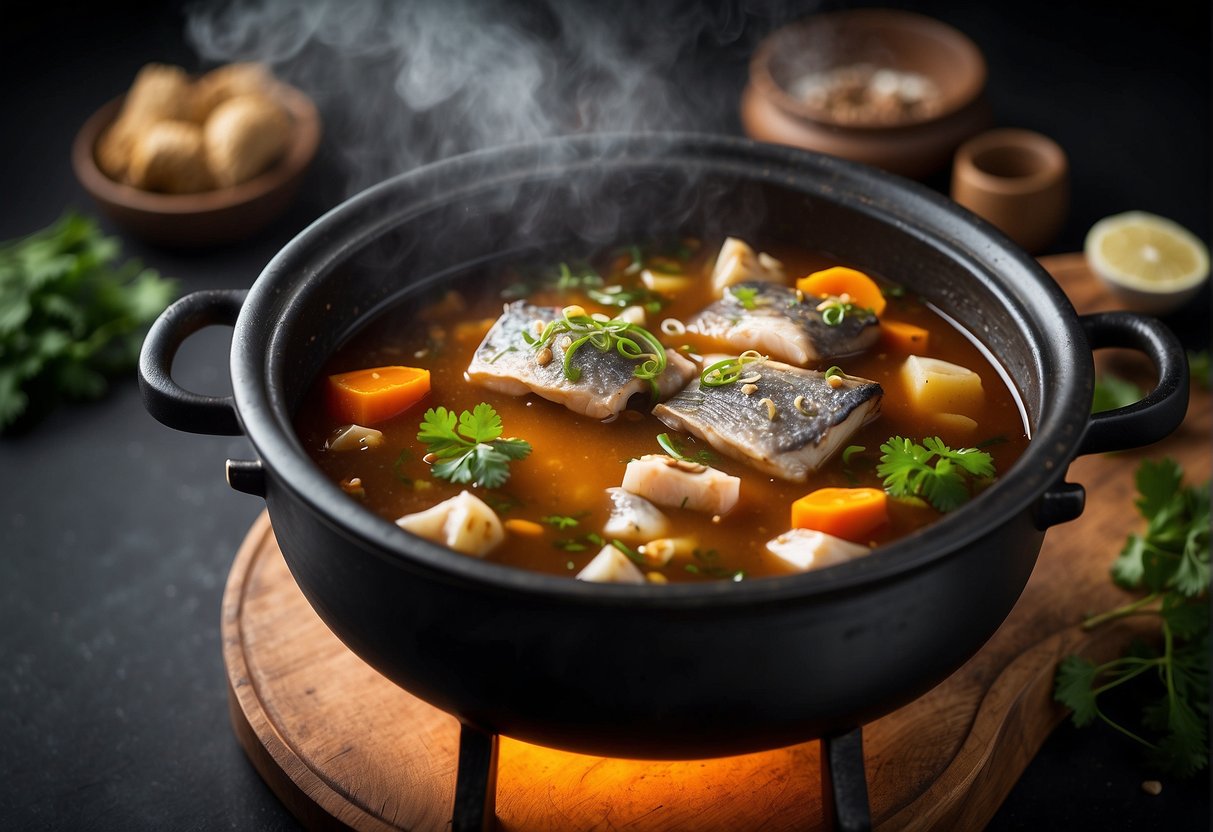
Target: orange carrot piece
839, 280
365, 397
903, 337
849, 513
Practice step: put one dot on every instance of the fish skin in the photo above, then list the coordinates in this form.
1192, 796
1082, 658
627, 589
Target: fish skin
506, 363
792, 445
782, 325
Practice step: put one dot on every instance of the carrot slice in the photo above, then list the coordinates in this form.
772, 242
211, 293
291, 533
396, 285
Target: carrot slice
849, 513
365, 397
903, 337
839, 280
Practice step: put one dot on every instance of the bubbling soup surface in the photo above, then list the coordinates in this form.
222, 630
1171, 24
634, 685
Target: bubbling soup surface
555, 503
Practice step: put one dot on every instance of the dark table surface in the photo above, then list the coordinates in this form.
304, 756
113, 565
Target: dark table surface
116, 534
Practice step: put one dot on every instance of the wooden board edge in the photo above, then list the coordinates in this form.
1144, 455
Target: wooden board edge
1014, 719
305, 793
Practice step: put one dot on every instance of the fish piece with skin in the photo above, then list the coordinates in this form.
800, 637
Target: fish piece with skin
782, 323
506, 363
764, 427
674, 482
633, 517
806, 549
465, 523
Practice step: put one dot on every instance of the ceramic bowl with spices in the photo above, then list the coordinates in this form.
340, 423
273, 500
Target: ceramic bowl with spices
889, 88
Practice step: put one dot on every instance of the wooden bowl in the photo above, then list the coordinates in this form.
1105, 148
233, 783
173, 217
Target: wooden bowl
210, 217
911, 145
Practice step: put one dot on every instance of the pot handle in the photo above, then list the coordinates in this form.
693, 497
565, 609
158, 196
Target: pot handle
170, 403
1163, 408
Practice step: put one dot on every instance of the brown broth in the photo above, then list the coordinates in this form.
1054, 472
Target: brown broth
575, 458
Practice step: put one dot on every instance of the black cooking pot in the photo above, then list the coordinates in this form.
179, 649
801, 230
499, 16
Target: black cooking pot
674, 671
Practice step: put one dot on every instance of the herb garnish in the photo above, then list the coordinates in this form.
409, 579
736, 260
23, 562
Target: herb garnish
729, 370
833, 311
709, 564
70, 315
616, 295
473, 452
568, 278
1199, 368
747, 296
632, 554
850, 451
907, 471
632, 341
1171, 561
671, 447
559, 521
1112, 391
579, 544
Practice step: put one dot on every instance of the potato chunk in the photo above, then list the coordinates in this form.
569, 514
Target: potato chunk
935, 386
465, 523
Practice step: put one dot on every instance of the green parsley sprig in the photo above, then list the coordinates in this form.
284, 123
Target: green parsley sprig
473, 452
907, 470
70, 315
1171, 562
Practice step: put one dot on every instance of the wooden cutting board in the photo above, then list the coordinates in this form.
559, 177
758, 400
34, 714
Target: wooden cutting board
342, 746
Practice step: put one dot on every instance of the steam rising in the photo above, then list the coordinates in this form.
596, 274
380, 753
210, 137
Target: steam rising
401, 84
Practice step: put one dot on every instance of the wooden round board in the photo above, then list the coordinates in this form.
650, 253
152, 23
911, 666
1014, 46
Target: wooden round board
343, 747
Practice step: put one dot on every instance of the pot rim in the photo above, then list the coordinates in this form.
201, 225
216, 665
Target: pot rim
1065, 396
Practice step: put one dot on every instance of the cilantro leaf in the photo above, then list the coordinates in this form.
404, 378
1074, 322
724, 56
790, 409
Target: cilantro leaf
1074, 688
1112, 391
471, 453
70, 316
905, 466
1170, 560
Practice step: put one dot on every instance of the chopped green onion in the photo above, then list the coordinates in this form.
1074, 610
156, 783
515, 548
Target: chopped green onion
729, 370
631, 341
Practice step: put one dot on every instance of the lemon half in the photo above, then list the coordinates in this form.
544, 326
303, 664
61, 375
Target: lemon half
1150, 261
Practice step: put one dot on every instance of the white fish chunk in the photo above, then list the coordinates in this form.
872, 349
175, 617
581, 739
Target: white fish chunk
611, 566
807, 549
465, 523
738, 262
633, 517
672, 482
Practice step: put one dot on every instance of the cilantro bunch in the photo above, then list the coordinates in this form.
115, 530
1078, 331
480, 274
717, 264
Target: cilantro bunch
1171, 562
932, 471
473, 452
70, 315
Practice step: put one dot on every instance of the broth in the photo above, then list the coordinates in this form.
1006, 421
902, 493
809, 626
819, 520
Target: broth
561, 486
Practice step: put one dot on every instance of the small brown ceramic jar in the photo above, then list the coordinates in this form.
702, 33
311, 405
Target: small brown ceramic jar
919, 85
1018, 180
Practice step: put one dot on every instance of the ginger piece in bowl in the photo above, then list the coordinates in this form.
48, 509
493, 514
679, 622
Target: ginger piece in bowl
169, 157
159, 93
227, 82
244, 136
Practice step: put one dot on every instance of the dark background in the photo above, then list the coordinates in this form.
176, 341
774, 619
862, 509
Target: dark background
116, 534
